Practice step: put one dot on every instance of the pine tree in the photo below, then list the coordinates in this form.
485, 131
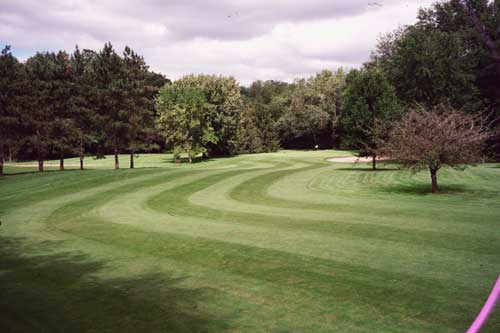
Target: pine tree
110, 81
10, 88
83, 101
63, 129
139, 102
38, 105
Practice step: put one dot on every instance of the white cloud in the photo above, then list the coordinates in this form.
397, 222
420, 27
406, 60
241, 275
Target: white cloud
250, 40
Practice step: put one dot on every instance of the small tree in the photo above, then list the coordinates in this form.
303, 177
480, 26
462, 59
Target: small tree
441, 137
182, 119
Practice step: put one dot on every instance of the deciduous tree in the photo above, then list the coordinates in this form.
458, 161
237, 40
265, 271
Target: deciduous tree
182, 119
436, 138
369, 108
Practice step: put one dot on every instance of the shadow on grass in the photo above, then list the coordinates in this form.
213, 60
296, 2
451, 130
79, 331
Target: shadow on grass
368, 169
423, 189
64, 293
196, 160
32, 172
36, 171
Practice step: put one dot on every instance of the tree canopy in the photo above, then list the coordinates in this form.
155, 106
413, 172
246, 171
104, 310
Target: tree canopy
370, 107
183, 114
431, 139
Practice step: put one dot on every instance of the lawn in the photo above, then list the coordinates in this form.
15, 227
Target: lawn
285, 241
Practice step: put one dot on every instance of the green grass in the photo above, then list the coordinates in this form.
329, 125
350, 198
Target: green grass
268, 242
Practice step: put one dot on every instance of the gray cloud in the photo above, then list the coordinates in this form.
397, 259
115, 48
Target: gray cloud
275, 39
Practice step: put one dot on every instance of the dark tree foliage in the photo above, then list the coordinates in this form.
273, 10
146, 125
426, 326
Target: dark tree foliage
62, 126
111, 103
264, 104
312, 111
11, 79
370, 107
38, 104
449, 56
82, 105
139, 92
436, 138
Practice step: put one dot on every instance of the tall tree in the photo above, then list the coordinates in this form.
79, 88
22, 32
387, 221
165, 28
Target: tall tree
63, 130
38, 105
182, 117
449, 56
265, 103
110, 80
312, 111
223, 94
433, 139
10, 90
83, 101
369, 108
428, 66
139, 93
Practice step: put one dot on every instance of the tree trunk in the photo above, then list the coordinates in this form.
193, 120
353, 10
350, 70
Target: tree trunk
1, 160
117, 162
40, 164
131, 160
434, 179
374, 162
10, 153
61, 162
82, 151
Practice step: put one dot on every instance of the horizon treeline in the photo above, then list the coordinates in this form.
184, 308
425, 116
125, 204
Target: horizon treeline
57, 105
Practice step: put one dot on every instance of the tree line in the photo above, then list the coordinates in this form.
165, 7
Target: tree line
100, 102
60, 105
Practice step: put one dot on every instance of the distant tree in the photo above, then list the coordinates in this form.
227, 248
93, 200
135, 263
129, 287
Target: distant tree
428, 66
437, 138
38, 105
326, 89
265, 102
84, 102
182, 119
450, 55
62, 127
305, 118
312, 111
223, 94
139, 96
369, 108
10, 89
249, 135
110, 81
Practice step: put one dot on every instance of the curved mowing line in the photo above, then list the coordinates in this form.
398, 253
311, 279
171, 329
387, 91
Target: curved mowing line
129, 209
487, 309
29, 217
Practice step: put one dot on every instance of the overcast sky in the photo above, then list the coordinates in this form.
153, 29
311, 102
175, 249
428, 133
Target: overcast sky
248, 39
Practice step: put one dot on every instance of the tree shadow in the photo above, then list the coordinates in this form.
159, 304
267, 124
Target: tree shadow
367, 169
32, 172
422, 189
195, 160
65, 292
38, 172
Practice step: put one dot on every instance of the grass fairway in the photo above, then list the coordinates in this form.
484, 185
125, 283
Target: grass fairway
268, 242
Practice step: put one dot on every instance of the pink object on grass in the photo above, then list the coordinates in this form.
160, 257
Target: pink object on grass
487, 308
